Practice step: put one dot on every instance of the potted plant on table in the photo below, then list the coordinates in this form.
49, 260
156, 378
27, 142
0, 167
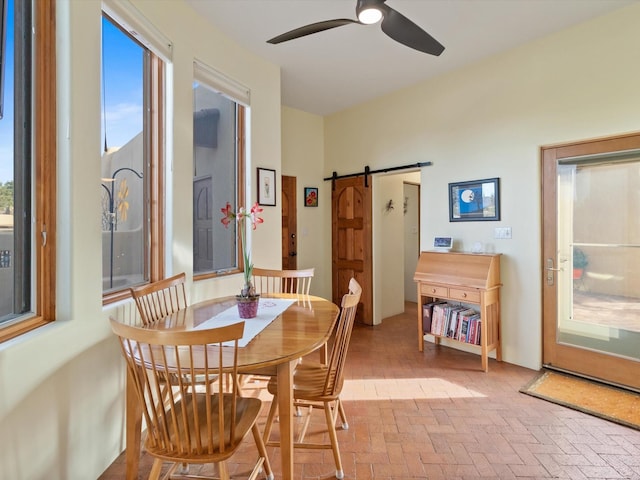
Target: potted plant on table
247, 299
580, 262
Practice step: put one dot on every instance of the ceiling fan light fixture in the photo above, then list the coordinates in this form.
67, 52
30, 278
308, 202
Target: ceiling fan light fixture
369, 15
393, 24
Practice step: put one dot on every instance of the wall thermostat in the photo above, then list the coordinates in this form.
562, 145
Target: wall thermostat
443, 242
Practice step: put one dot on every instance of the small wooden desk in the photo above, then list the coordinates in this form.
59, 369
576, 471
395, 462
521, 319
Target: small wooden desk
304, 327
462, 278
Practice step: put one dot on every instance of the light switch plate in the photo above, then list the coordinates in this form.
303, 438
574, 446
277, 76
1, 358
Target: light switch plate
502, 232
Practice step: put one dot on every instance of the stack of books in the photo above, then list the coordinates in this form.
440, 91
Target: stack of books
458, 322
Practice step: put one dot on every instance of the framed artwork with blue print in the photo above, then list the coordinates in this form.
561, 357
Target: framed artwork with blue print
475, 200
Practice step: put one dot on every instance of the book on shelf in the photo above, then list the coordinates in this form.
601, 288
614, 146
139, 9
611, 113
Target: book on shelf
463, 323
474, 330
437, 321
456, 318
462, 334
427, 315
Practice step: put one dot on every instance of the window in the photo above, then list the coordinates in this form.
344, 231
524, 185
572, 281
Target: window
218, 165
132, 120
27, 138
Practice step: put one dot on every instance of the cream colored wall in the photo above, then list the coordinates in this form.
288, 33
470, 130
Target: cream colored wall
411, 212
388, 247
61, 400
489, 120
303, 158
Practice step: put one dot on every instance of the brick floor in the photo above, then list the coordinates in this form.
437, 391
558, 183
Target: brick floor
437, 415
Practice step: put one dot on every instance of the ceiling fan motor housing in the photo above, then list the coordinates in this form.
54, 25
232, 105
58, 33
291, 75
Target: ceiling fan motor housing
369, 11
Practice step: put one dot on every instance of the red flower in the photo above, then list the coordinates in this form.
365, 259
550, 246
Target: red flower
241, 216
255, 219
228, 215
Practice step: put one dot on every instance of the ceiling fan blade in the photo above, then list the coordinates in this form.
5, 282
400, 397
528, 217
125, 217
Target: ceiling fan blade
312, 28
403, 30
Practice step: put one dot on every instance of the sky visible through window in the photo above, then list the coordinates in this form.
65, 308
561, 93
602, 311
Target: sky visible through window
122, 65
6, 123
121, 97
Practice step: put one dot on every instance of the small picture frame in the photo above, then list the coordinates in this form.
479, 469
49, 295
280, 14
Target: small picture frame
310, 196
476, 200
267, 187
444, 243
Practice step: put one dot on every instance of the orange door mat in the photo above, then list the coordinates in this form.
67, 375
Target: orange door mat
610, 403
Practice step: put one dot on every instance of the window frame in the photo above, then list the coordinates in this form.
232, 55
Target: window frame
154, 139
240, 135
43, 135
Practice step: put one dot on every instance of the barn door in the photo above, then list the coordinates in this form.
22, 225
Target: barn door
351, 242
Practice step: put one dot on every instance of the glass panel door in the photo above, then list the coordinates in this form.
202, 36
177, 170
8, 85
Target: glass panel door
599, 253
591, 258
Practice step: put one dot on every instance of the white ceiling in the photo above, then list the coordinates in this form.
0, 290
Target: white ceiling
332, 70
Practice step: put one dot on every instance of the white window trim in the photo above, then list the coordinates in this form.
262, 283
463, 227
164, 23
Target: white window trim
224, 84
138, 26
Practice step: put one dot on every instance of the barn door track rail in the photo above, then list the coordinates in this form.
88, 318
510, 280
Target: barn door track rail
367, 171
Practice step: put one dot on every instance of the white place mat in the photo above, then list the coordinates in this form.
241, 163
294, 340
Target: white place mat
268, 310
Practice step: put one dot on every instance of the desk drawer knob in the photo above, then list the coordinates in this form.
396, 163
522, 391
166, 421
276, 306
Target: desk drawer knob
464, 295
433, 290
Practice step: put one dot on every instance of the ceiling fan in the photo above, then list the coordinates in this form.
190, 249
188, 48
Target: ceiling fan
394, 24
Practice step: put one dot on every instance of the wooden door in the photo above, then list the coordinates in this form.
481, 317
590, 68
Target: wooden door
351, 242
589, 204
202, 225
289, 224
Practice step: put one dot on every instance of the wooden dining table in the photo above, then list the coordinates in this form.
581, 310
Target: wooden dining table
302, 328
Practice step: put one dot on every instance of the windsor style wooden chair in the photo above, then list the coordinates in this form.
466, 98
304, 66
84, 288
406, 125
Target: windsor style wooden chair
192, 422
319, 385
159, 299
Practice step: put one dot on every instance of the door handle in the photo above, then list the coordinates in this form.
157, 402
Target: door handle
550, 269
550, 266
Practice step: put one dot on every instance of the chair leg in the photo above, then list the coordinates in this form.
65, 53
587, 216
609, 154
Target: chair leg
223, 470
270, 418
305, 424
262, 450
334, 439
343, 416
154, 474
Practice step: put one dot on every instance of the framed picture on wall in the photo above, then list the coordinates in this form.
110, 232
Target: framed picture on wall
267, 187
475, 200
310, 196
